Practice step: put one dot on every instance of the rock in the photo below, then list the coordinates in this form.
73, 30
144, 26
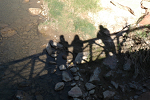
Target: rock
74, 69
65, 76
59, 86
89, 86
111, 62
92, 91
135, 97
25, 1
108, 94
77, 68
109, 74
145, 4
79, 74
52, 62
49, 49
127, 65
21, 95
133, 86
76, 78
75, 92
73, 84
35, 11
54, 55
62, 67
7, 32
39, 97
114, 84
122, 87
81, 57
95, 76
76, 99
144, 96
54, 44
81, 79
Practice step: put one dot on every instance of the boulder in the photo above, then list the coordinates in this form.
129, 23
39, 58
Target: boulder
75, 92
59, 86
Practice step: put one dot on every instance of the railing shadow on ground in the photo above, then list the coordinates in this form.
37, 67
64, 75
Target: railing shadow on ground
38, 73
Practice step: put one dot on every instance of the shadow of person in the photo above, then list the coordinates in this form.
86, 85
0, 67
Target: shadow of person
109, 45
77, 45
63, 42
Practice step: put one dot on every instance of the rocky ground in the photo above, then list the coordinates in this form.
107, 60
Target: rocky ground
37, 67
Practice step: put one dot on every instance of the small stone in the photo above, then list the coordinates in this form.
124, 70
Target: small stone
79, 74
133, 86
59, 86
135, 97
62, 67
73, 84
77, 68
91, 91
81, 79
65, 76
76, 78
114, 84
54, 55
39, 97
25, 1
122, 88
49, 49
89, 86
35, 11
75, 92
109, 74
21, 95
73, 69
108, 94
95, 76
52, 62
76, 99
